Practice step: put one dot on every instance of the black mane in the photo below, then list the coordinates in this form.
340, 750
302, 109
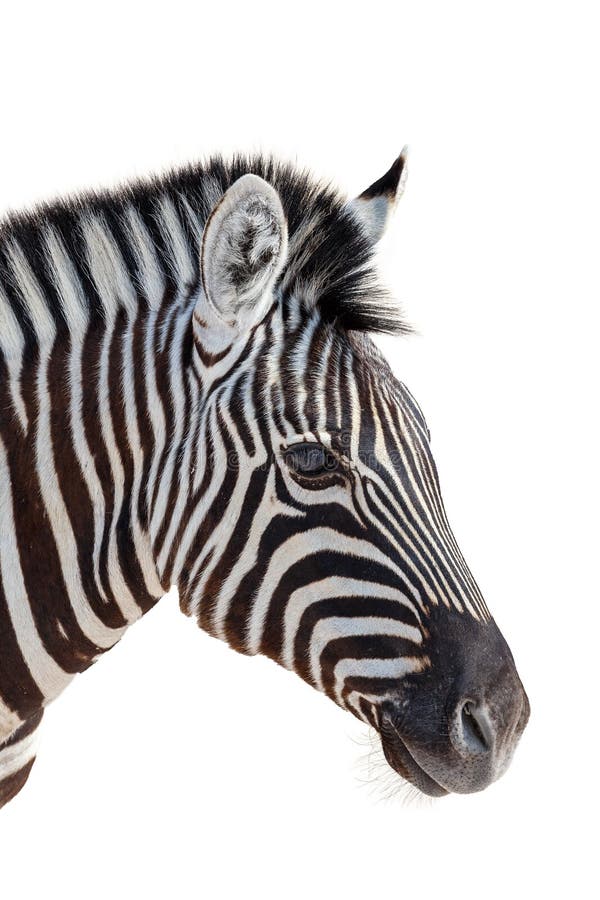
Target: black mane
330, 256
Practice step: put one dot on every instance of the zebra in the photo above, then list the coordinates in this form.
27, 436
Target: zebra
190, 396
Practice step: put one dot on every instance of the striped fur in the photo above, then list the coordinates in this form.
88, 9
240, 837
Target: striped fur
143, 445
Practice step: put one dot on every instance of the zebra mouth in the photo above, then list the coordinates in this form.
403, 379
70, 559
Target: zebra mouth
403, 762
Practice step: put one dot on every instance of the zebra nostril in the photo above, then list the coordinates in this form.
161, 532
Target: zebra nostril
474, 729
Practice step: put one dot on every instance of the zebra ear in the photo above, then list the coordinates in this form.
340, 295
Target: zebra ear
375, 205
244, 247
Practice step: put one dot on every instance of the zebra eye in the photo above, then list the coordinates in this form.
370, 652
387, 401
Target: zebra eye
310, 460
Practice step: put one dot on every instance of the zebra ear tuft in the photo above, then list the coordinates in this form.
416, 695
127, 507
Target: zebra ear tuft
375, 205
244, 247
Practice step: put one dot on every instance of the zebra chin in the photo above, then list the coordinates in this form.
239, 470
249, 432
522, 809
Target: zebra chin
403, 762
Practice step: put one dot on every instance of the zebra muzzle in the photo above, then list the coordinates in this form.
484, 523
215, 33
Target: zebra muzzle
457, 730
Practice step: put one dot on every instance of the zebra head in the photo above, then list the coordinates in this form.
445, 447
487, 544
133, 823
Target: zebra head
322, 539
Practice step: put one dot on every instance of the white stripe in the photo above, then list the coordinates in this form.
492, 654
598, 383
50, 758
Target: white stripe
122, 595
33, 298
355, 406
318, 377
353, 705
107, 267
183, 494
12, 344
178, 400
9, 721
66, 282
396, 668
335, 627
15, 757
155, 406
181, 261
193, 220
298, 366
140, 538
301, 247
150, 276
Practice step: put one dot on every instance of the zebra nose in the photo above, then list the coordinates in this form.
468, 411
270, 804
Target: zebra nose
472, 732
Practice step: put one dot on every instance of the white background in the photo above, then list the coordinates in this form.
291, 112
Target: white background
177, 768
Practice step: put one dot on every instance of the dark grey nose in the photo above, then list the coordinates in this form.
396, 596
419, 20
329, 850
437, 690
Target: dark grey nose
472, 732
